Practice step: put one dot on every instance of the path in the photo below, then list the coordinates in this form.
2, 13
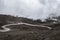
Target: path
5, 29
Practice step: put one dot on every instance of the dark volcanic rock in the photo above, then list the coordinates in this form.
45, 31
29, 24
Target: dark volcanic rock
25, 32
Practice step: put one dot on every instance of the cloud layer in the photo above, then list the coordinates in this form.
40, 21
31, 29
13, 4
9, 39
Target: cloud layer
35, 9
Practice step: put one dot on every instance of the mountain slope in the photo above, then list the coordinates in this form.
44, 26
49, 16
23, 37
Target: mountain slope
26, 32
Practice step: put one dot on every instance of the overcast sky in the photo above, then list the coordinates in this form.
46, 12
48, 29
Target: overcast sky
36, 9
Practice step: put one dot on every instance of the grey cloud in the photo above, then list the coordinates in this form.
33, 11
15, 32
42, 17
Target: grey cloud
36, 9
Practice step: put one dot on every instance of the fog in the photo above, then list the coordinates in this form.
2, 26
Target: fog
33, 9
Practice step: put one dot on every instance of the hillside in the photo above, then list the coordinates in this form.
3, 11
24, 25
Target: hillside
26, 32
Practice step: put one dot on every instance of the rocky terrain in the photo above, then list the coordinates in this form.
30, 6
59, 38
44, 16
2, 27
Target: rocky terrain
25, 32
